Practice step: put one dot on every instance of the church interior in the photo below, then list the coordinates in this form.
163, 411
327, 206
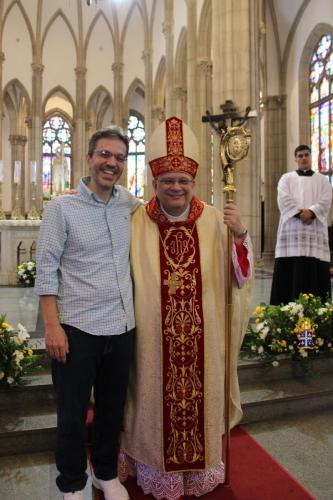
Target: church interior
71, 67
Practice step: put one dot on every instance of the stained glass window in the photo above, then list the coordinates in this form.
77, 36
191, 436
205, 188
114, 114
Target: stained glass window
136, 156
321, 106
57, 147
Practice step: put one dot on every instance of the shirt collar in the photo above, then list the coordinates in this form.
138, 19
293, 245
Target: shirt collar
87, 193
305, 173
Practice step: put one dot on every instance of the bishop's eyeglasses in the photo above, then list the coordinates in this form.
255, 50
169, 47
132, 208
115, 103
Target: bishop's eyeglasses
183, 181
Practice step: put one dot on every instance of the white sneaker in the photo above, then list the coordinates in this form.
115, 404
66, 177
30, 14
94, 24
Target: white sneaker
76, 495
112, 489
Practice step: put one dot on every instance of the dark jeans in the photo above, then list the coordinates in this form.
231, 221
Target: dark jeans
103, 363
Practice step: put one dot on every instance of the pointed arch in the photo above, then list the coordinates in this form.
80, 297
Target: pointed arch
98, 104
309, 46
127, 20
136, 86
26, 19
100, 14
52, 93
59, 13
18, 105
180, 59
205, 30
291, 35
159, 84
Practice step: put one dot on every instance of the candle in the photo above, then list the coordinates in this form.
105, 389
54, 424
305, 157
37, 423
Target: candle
33, 172
17, 172
1, 170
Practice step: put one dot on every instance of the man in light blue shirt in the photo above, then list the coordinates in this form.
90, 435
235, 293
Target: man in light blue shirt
83, 279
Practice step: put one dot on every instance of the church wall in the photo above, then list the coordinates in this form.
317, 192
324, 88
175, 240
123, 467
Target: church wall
100, 57
51, 9
133, 49
180, 19
273, 63
59, 70
158, 40
6, 156
318, 11
17, 49
285, 11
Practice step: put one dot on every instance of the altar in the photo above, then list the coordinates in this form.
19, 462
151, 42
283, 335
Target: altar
18, 240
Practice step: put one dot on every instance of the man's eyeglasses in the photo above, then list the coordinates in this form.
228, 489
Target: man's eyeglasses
171, 182
104, 153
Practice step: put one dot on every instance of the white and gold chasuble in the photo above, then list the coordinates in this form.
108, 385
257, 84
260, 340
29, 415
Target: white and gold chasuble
174, 418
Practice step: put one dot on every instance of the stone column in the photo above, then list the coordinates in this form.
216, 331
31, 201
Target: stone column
275, 114
118, 68
180, 97
235, 53
35, 125
2, 185
169, 58
18, 143
192, 96
158, 116
148, 64
80, 143
2, 59
204, 181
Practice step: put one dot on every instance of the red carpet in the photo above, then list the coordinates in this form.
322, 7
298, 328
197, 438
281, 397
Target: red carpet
254, 475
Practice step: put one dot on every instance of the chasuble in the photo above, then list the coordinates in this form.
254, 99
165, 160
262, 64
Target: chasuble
174, 417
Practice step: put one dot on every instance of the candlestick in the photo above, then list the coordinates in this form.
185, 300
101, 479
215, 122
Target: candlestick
1, 171
33, 172
16, 212
33, 213
2, 213
17, 172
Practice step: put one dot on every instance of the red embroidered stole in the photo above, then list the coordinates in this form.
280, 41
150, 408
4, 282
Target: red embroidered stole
182, 340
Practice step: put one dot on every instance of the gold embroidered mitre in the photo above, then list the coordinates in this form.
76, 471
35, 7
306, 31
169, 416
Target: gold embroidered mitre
173, 147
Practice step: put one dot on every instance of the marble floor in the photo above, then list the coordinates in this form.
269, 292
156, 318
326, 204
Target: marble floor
303, 444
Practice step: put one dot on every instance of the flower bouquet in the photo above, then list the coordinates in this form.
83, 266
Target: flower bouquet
16, 357
301, 329
26, 273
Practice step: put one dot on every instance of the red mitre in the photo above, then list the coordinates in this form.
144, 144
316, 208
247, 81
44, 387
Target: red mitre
173, 147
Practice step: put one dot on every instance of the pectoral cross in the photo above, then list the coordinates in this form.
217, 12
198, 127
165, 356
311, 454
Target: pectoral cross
173, 283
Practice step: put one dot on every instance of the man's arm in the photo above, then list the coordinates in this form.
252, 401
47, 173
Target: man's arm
287, 203
322, 207
50, 248
56, 342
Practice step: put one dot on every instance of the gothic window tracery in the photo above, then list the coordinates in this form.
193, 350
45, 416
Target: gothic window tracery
321, 106
57, 140
136, 156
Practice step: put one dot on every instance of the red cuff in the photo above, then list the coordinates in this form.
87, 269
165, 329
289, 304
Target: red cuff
242, 258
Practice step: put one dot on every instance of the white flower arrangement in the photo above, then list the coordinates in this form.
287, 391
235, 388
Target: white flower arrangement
16, 357
26, 273
302, 329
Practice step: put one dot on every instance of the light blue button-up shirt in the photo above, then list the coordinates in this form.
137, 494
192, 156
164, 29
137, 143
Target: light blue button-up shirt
83, 259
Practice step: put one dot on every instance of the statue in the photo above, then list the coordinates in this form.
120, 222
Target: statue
60, 172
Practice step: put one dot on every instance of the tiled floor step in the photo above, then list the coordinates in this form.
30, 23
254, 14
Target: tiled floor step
263, 401
252, 370
30, 425
36, 392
